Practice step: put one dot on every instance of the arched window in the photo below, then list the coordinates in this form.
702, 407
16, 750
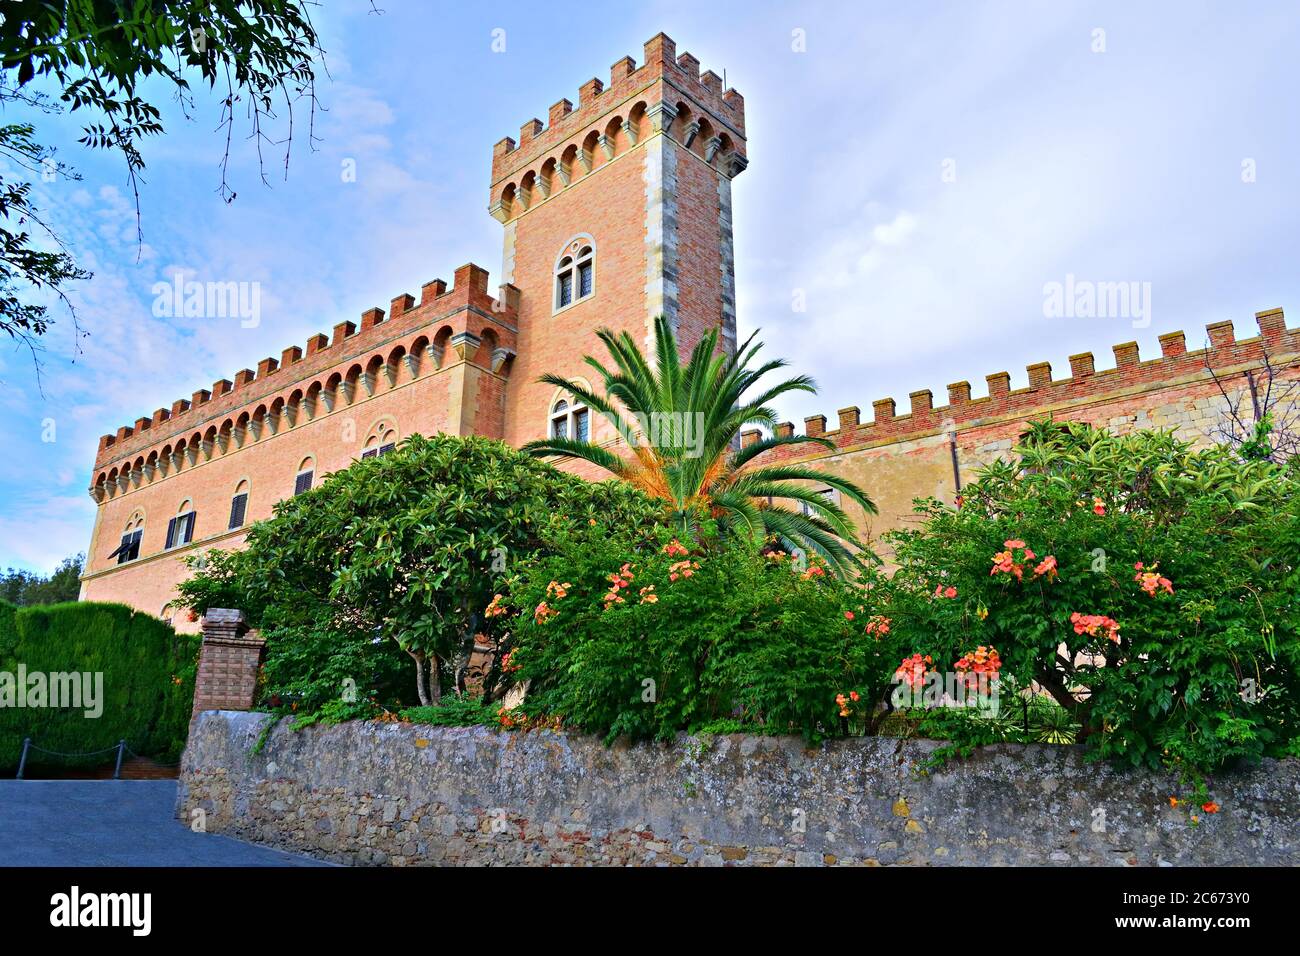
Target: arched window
238, 506
570, 420
381, 440
575, 272
128, 548
180, 529
306, 471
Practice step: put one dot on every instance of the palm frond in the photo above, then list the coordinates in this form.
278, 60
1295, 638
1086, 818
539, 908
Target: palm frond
680, 421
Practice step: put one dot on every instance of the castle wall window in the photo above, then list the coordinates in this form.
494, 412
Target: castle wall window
238, 507
180, 529
564, 284
586, 279
128, 549
575, 273
570, 421
306, 472
381, 441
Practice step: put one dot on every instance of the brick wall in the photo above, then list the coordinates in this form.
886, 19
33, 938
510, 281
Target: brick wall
898, 455
228, 663
455, 360
643, 167
402, 371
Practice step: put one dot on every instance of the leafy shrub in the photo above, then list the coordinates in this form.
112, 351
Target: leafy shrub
392, 562
453, 712
646, 636
1148, 588
148, 682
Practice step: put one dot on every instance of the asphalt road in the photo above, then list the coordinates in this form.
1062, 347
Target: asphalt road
113, 823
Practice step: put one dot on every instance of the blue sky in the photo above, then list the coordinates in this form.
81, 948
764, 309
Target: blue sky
918, 173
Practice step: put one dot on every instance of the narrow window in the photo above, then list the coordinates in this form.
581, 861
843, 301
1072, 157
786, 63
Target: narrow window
302, 482
385, 449
564, 286
570, 421
575, 273
560, 420
184, 529
128, 549
370, 453
586, 275
180, 530
238, 507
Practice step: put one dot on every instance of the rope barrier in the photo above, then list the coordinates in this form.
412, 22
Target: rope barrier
60, 753
120, 747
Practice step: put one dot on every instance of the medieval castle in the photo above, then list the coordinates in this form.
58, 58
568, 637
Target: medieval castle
614, 212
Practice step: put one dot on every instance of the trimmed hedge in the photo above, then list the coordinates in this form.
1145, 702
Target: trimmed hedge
148, 683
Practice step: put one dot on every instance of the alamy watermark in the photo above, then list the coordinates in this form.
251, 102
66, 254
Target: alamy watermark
127, 910
65, 690
208, 300
955, 689
1087, 299
665, 430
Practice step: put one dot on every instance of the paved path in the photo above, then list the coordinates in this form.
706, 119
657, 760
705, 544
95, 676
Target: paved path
113, 823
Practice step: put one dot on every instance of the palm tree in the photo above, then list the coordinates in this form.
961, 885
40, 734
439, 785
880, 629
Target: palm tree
682, 425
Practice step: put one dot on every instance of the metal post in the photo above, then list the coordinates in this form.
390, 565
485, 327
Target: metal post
22, 761
117, 771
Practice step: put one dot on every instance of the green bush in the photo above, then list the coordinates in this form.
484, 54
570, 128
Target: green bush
1192, 554
453, 712
389, 565
148, 680
8, 628
648, 637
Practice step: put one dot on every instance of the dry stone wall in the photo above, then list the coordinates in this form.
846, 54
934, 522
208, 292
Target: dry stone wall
403, 794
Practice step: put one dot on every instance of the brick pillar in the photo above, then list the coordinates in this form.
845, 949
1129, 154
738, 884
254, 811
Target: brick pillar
228, 662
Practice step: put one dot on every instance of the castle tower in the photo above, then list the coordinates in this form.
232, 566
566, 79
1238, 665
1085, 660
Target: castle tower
615, 212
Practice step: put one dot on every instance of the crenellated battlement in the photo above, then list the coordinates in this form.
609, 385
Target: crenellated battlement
1085, 385
467, 308
667, 94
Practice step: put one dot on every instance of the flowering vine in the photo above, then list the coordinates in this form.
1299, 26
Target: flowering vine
1095, 625
682, 569
1151, 579
913, 669
497, 607
618, 581
877, 626
983, 661
1006, 562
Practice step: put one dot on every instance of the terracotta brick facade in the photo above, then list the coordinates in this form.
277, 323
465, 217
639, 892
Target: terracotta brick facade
640, 172
228, 662
931, 449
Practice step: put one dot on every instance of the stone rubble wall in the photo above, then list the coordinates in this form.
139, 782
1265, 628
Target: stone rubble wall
405, 794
